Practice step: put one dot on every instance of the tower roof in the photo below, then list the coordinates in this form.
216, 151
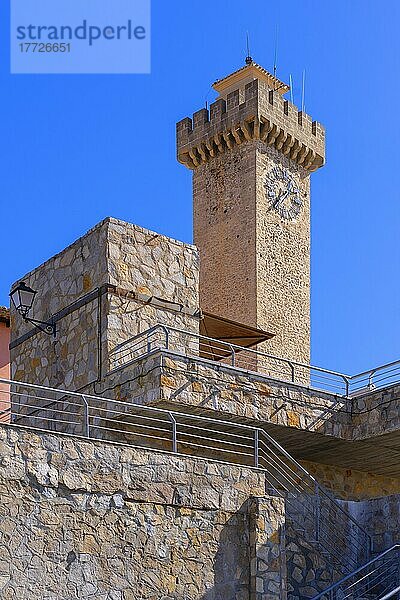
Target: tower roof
246, 74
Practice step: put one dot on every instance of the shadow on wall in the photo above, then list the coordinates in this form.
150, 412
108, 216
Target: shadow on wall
232, 560
250, 561
380, 517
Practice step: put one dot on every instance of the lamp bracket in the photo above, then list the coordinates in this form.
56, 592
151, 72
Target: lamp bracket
46, 326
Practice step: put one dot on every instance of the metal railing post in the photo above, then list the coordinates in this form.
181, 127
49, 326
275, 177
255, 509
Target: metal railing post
317, 512
233, 355
174, 434
256, 447
347, 386
86, 423
166, 331
370, 379
292, 368
148, 342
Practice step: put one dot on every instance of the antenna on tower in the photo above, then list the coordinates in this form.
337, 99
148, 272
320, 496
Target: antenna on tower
207, 97
303, 91
291, 88
276, 50
249, 60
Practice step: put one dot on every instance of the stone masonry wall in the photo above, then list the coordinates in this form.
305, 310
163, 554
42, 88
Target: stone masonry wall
224, 231
380, 517
376, 412
71, 358
232, 393
156, 268
350, 484
90, 520
283, 262
202, 384
114, 282
216, 386
268, 573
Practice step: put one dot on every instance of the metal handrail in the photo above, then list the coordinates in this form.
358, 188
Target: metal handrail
339, 583
391, 594
126, 404
232, 350
259, 353
321, 488
352, 384
385, 366
139, 335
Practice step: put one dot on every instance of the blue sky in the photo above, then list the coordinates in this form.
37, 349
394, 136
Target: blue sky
75, 149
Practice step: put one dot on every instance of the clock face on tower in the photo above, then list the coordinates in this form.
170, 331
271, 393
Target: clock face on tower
283, 193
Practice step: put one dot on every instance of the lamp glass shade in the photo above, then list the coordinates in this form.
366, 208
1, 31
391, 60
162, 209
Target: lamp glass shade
22, 297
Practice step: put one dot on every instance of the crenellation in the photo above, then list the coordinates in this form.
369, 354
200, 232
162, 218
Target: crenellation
183, 130
254, 111
217, 110
279, 104
234, 99
319, 131
200, 118
305, 121
251, 90
291, 111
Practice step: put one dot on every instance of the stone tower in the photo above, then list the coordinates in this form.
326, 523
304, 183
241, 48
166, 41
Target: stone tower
252, 155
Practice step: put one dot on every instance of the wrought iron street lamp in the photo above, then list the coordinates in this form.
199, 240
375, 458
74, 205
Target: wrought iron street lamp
23, 298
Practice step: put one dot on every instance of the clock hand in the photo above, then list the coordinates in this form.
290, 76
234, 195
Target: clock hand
281, 198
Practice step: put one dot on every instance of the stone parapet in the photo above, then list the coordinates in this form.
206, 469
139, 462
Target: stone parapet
87, 519
198, 384
255, 113
195, 383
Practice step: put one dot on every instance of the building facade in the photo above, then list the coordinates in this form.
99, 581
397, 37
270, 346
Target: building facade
171, 441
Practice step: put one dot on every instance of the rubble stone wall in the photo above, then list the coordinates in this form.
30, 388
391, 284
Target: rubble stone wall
376, 412
350, 484
113, 283
217, 387
90, 520
381, 518
193, 382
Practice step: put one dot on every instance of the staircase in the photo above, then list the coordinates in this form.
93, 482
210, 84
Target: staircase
325, 534
378, 579
317, 526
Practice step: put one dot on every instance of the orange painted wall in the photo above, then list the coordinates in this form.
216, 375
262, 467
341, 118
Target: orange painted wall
4, 370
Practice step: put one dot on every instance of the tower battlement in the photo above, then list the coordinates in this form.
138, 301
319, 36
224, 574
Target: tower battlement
252, 111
